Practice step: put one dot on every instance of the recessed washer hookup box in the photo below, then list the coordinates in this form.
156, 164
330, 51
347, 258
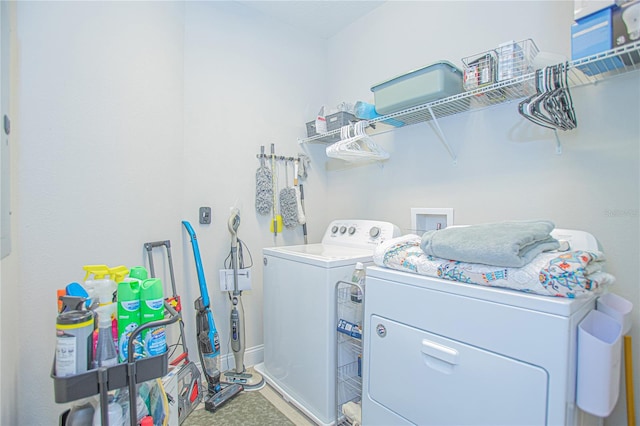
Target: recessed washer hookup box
417, 87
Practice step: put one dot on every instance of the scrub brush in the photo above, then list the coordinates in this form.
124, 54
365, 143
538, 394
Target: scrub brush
264, 187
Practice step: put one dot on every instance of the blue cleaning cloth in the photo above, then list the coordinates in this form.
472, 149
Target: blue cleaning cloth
511, 244
367, 111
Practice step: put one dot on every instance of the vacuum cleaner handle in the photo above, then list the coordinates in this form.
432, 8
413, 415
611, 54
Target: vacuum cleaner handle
196, 254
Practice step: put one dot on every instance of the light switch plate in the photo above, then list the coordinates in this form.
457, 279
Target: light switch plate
205, 215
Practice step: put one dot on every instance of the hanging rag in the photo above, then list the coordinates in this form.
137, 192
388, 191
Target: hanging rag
264, 187
288, 202
303, 164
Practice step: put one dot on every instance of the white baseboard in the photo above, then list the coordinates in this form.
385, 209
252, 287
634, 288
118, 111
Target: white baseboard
252, 356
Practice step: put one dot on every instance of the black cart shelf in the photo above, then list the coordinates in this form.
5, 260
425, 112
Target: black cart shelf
104, 379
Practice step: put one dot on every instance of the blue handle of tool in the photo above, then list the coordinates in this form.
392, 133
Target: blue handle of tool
196, 254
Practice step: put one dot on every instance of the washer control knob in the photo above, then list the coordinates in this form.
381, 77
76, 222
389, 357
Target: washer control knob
343, 229
374, 232
352, 230
334, 229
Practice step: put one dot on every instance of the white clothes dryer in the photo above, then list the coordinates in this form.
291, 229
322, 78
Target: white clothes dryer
299, 311
439, 352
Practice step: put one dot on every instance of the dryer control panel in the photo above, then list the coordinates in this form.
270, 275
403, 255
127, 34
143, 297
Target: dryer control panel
359, 232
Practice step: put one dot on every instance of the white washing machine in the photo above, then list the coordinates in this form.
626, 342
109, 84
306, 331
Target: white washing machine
438, 352
299, 311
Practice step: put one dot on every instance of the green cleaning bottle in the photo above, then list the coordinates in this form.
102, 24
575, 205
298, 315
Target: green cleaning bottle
128, 297
152, 309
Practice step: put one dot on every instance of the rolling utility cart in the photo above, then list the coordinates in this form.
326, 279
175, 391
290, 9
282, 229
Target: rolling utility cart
188, 373
104, 379
349, 322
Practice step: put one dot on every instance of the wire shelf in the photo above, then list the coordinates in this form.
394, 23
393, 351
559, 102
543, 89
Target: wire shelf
588, 70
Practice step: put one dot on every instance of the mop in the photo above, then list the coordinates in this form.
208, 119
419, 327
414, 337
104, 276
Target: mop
276, 219
288, 202
264, 187
253, 380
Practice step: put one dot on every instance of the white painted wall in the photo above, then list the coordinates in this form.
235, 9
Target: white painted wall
131, 115
507, 168
248, 82
100, 154
9, 356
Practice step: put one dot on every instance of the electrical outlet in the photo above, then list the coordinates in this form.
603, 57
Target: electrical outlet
205, 215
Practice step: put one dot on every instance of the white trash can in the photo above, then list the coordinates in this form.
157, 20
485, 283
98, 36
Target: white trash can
599, 362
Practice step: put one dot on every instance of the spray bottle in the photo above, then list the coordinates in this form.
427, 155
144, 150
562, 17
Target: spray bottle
152, 309
106, 354
92, 278
102, 288
129, 310
118, 273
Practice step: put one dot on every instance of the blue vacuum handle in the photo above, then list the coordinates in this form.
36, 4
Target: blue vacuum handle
196, 254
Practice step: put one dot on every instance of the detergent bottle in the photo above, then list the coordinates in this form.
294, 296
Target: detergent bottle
128, 298
152, 309
357, 278
128, 315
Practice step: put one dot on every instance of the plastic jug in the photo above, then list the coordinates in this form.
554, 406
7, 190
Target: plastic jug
152, 309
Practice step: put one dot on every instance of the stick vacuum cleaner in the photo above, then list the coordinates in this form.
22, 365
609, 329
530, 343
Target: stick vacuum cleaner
253, 380
208, 339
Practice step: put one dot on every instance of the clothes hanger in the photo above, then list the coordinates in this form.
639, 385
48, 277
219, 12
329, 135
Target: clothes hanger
355, 145
551, 106
526, 107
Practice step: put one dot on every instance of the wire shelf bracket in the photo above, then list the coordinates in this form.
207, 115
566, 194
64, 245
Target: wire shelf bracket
442, 136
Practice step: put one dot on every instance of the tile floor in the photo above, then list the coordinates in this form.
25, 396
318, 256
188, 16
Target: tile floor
289, 410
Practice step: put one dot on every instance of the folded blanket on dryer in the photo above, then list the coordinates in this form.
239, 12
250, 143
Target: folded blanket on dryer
561, 274
511, 244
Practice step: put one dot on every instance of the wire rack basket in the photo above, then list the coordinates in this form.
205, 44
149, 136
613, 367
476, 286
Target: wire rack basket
509, 60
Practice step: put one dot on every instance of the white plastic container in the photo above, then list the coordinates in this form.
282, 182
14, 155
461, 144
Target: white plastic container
617, 308
417, 87
115, 415
599, 362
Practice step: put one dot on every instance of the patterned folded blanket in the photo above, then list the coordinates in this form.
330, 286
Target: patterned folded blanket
562, 274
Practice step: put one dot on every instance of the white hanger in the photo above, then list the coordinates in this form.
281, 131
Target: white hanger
356, 146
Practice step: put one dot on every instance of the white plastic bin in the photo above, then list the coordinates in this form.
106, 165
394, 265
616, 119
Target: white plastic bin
599, 359
617, 308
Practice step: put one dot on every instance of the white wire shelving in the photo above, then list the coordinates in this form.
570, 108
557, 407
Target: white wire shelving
588, 70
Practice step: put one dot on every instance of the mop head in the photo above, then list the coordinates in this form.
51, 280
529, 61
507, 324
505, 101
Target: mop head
264, 191
250, 380
289, 207
302, 219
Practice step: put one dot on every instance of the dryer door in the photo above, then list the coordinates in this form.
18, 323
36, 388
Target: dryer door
431, 380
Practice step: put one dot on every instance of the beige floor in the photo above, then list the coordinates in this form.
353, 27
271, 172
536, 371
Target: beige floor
289, 410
